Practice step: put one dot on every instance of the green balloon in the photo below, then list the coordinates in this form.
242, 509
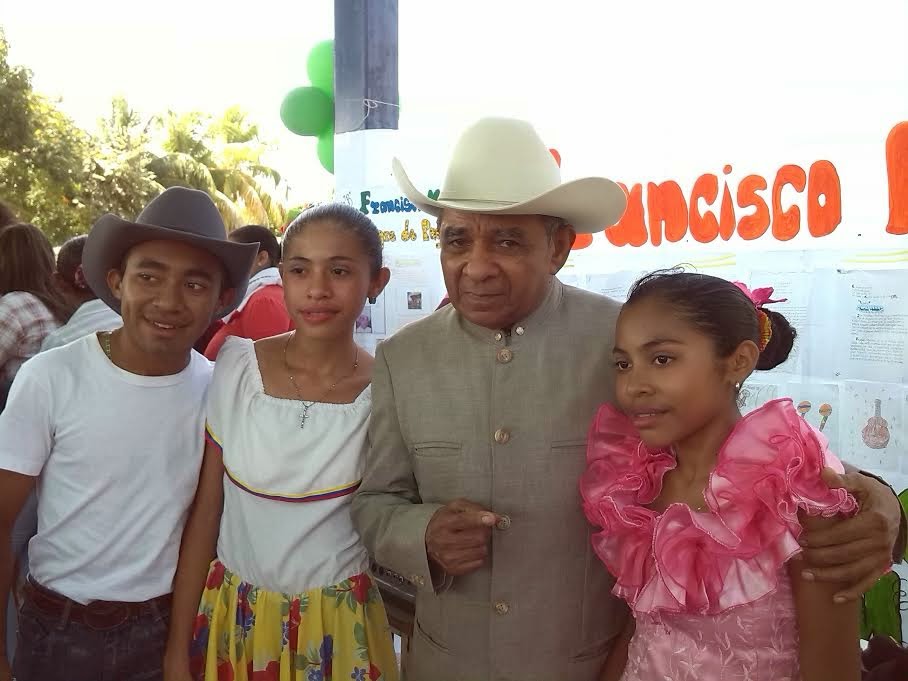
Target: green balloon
320, 66
307, 111
325, 150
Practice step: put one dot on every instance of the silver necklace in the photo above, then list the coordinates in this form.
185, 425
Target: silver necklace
304, 412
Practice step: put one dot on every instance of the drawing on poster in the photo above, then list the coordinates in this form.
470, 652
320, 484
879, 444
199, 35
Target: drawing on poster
753, 395
364, 321
414, 300
819, 404
876, 433
825, 413
873, 428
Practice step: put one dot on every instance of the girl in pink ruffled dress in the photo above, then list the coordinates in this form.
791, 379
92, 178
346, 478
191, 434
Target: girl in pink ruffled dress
700, 509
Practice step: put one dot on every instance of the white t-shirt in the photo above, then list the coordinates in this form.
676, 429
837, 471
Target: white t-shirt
286, 524
118, 457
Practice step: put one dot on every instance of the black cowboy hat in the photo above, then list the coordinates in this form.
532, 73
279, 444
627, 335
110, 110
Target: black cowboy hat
178, 214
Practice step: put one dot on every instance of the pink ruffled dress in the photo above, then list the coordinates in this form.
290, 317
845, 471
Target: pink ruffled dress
709, 590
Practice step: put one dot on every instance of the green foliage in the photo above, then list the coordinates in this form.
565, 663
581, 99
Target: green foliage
121, 181
42, 156
62, 178
903, 499
223, 157
881, 608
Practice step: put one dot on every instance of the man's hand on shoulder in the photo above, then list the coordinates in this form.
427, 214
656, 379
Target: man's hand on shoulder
855, 551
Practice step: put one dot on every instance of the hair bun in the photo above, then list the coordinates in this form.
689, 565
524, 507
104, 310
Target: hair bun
780, 343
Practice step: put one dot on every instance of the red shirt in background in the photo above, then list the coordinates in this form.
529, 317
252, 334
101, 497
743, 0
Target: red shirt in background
263, 315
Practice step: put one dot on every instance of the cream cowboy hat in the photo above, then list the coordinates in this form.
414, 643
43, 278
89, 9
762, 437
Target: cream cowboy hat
502, 166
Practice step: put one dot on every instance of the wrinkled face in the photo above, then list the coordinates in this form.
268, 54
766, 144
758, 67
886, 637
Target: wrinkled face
670, 380
327, 277
169, 292
497, 268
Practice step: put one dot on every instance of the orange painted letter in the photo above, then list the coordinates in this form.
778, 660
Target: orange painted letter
787, 223
666, 206
629, 230
726, 216
822, 219
897, 172
753, 225
704, 228
582, 241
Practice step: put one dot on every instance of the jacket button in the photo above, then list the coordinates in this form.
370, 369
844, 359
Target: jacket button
504, 522
502, 436
519, 331
505, 356
502, 608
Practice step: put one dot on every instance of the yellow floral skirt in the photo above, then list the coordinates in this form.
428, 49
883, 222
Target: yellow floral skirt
336, 633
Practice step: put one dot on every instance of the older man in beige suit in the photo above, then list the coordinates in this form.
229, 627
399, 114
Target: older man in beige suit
479, 429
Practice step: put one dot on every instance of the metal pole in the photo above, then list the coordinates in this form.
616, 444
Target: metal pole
365, 65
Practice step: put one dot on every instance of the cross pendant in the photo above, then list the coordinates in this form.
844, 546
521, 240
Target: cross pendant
304, 415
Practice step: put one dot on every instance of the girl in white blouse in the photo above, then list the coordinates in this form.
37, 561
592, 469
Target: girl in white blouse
288, 595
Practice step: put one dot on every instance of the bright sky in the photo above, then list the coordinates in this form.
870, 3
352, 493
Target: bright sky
179, 55
625, 89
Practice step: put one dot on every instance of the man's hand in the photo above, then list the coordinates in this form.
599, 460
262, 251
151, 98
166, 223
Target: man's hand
457, 537
855, 551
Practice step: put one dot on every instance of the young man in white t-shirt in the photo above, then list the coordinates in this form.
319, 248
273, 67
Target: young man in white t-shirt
110, 428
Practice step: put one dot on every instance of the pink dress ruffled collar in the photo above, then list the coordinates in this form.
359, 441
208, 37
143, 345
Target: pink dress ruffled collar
684, 561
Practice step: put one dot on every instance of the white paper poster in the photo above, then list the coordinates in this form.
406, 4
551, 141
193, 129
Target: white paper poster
873, 426
820, 405
755, 394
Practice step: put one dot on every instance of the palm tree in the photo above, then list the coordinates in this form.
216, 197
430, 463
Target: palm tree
119, 179
222, 157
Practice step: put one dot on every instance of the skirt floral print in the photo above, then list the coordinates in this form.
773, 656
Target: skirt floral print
336, 633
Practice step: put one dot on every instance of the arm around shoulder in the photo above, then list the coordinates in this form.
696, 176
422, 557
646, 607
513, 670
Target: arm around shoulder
617, 655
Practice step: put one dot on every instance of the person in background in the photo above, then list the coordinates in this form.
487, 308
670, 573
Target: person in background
19, 537
7, 217
884, 660
263, 312
30, 305
444, 301
91, 314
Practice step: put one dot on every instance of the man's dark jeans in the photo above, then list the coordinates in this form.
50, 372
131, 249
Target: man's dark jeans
54, 648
